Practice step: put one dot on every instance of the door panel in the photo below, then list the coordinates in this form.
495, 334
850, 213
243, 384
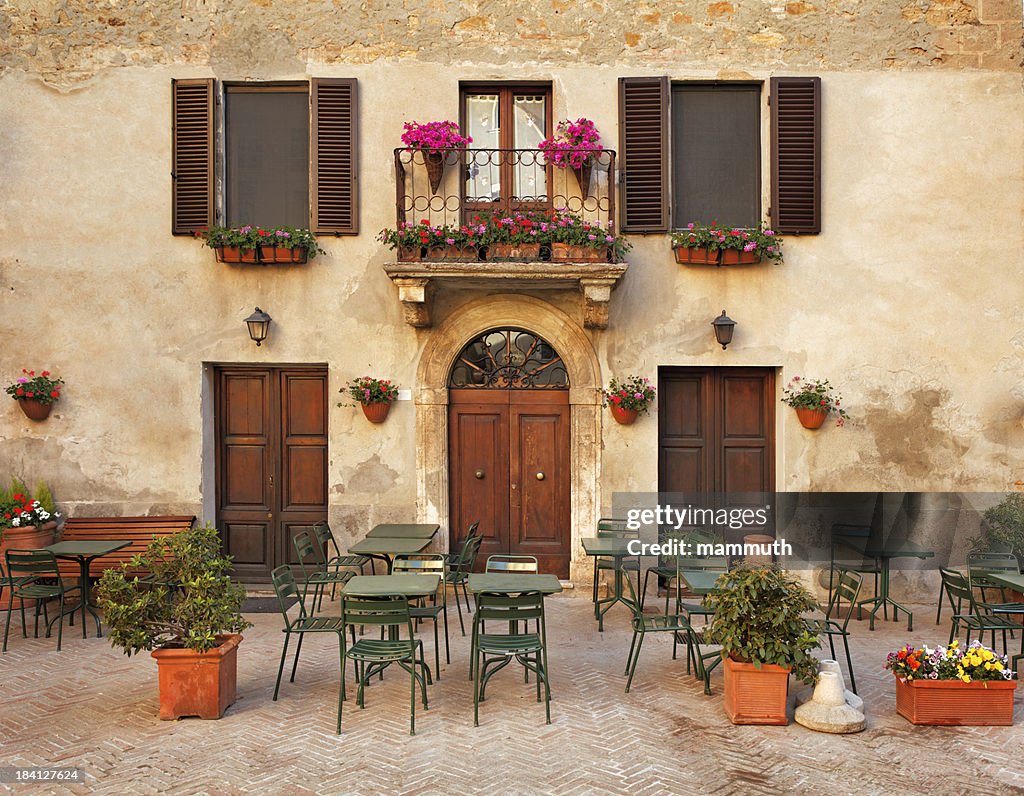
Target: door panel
271, 428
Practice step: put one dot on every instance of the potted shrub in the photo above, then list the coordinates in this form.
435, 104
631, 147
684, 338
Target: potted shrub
814, 400
953, 686
28, 520
373, 395
36, 395
435, 140
573, 146
627, 398
187, 613
758, 621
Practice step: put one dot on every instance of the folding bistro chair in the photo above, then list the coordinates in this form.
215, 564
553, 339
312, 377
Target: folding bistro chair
429, 564
317, 575
847, 588
614, 527
459, 567
33, 575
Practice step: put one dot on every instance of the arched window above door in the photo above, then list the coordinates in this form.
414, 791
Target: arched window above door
509, 359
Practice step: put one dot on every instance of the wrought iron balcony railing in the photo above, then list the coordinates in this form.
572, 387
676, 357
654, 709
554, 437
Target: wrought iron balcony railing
464, 186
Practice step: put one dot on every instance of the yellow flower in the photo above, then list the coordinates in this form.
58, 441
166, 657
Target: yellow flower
987, 655
966, 678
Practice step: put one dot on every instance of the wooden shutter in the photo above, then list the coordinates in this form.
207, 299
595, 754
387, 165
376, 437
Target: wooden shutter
192, 155
643, 142
796, 154
334, 202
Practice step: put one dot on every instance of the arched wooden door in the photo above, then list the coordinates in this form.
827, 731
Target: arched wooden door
509, 437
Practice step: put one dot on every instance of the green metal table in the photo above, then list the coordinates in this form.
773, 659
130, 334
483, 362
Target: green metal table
1007, 579
616, 548
398, 530
85, 552
894, 548
408, 584
387, 547
698, 581
513, 583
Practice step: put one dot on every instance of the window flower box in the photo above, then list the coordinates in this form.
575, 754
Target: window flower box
954, 703
586, 254
734, 257
513, 251
282, 254
696, 256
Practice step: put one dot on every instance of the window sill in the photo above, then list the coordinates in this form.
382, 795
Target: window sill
594, 280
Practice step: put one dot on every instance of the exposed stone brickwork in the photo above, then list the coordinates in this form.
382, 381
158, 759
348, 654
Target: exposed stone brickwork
68, 41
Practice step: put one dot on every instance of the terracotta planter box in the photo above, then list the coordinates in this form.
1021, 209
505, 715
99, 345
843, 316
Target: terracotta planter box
453, 254
33, 409
514, 251
282, 254
755, 696
232, 254
197, 683
954, 703
30, 537
695, 256
734, 257
410, 254
811, 418
585, 254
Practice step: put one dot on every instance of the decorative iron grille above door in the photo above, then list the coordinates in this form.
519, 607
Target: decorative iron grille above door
509, 359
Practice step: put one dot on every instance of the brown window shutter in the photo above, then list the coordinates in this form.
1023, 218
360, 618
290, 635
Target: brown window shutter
796, 154
334, 204
192, 153
643, 143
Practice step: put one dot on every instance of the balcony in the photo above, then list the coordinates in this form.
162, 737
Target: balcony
486, 218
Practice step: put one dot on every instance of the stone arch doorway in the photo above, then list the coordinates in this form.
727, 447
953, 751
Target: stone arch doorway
567, 337
508, 447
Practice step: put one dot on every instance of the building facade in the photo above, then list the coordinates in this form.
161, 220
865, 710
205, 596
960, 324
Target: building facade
902, 286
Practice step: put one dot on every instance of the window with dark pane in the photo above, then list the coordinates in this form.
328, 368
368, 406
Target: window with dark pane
267, 155
509, 359
716, 154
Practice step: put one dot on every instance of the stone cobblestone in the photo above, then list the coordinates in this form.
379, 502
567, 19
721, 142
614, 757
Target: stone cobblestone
90, 706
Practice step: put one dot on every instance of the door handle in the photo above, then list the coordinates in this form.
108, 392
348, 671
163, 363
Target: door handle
479, 474
270, 516
540, 476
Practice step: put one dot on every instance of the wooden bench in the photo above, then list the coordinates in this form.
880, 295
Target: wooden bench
139, 530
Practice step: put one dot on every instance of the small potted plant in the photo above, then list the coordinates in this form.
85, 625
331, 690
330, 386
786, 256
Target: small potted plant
739, 246
435, 140
373, 395
187, 613
254, 244
627, 398
576, 239
953, 686
758, 621
518, 236
573, 146
28, 520
36, 395
697, 244
814, 400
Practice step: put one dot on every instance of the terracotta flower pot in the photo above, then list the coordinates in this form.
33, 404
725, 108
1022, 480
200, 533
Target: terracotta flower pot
755, 696
410, 254
197, 683
29, 537
811, 418
514, 251
453, 254
376, 413
734, 257
233, 254
696, 256
33, 409
953, 702
626, 417
586, 254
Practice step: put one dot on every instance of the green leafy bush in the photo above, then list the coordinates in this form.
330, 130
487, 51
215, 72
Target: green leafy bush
188, 602
1003, 526
759, 619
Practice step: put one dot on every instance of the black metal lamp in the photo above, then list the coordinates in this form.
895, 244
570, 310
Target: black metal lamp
724, 326
258, 324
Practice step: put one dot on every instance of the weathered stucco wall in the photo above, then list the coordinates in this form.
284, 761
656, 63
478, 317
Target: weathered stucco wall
910, 301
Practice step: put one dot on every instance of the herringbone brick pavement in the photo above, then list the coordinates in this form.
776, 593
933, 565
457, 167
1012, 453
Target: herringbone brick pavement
90, 706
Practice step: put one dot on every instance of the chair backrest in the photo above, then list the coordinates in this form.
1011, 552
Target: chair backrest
980, 565
422, 564
616, 527
846, 587
305, 549
511, 564
510, 607
284, 587
322, 532
468, 556
387, 610
31, 563
472, 532
958, 588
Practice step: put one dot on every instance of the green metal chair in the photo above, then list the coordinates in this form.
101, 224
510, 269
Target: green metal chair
337, 562
666, 568
33, 575
944, 574
492, 652
285, 587
981, 566
847, 585
372, 655
471, 533
979, 617
503, 563
313, 563
614, 527
458, 573
849, 546
429, 564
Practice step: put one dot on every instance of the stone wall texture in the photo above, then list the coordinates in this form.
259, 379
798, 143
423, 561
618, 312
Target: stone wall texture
911, 300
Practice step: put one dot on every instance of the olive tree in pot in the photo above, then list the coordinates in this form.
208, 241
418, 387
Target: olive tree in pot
187, 611
758, 621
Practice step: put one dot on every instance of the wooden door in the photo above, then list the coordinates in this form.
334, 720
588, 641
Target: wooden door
509, 469
271, 427
716, 442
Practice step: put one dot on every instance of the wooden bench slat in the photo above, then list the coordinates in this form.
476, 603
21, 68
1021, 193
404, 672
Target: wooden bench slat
139, 530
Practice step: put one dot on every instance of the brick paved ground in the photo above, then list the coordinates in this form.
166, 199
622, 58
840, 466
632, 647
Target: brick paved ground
92, 707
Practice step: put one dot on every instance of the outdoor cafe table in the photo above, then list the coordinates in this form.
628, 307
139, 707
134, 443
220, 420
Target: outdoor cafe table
513, 583
699, 582
84, 552
893, 548
1007, 579
408, 584
614, 547
399, 530
387, 547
